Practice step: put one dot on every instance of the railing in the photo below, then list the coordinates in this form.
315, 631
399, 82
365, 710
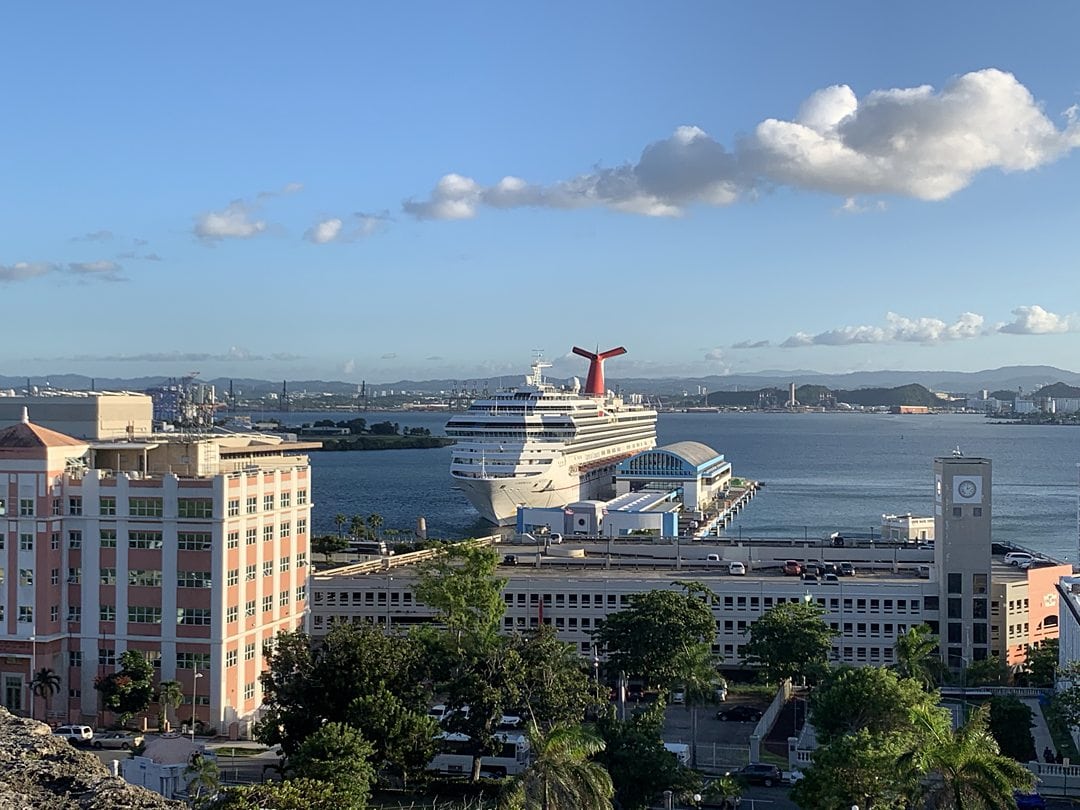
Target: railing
1056, 780
398, 560
761, 730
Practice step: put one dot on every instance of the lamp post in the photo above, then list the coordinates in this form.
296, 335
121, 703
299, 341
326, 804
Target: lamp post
194, 702
389, 579
596, 667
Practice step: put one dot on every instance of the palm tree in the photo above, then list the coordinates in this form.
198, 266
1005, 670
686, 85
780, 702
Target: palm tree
562, 776
725, 791
375, 522
170, 696
203, 778
341, 522
961, 770
44, 684
917, 657
357, 527
695, 671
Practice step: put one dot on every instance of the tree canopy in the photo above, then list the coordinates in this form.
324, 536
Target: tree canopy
871, 699
461, 587
789, 640
647, 638
130, 689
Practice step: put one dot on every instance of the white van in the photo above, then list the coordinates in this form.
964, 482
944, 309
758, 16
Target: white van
1018, 557
454, 757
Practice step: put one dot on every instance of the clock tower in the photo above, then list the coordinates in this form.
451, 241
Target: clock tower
962, 557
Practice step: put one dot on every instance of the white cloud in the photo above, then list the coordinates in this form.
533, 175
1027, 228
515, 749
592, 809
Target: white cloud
234, 222
1035, 320
751, 344
897, 329
22, 271
93, 236
348, 367
912, 142
234, 354
105, 270
389, 356
358, 226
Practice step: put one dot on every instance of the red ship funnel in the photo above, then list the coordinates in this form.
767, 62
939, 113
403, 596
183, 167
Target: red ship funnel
594, 384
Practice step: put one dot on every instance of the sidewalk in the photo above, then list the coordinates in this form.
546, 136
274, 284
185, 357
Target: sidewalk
1039, 730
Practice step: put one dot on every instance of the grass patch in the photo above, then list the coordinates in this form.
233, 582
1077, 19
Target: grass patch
1059, 732
758, 691
240, 752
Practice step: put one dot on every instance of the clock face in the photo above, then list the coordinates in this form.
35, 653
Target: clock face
966, 489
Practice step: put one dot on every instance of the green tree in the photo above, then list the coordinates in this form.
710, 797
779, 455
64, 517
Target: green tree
917, 656
203, 778
292, 794
556, 688
1010, 723
1041, 663
340, 756
130, 689
402, 738
788, 641
44, 684
696, 674
170, 695
461, 587
341, 522
873, 699
562, 775
855, 769
374, 522
725, 791
961, 770
648, 637
639, 765
990, 671
358, 527
328, 545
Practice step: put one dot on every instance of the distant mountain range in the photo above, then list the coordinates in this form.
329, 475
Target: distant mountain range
1007, 378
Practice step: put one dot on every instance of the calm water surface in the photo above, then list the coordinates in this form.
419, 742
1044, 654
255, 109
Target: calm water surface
823, 473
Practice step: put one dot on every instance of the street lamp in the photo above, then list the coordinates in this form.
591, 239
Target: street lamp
194, 691
596, 667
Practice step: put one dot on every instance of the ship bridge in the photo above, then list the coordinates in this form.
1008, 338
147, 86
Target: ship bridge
692, 467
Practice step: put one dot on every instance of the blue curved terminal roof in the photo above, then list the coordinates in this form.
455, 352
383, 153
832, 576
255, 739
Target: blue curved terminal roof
680, 460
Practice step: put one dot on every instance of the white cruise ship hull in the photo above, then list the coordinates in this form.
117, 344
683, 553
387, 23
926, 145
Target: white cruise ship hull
497, 499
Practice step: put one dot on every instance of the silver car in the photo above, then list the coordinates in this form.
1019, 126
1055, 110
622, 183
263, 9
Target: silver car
116, 739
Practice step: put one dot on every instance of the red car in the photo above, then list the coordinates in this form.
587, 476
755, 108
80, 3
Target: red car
792, 568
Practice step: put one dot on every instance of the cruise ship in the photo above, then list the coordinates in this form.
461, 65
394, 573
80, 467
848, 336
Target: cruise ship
543, 446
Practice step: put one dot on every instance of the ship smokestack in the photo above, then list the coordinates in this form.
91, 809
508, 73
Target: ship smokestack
594, 383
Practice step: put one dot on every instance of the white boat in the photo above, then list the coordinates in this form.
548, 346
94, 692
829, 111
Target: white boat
541, 446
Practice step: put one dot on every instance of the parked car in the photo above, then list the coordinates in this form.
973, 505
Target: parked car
792, 568
116, 739
830, 578
74, 733
827, 567
555, 538
812, 568
510, 559
847, 569
720, 694
1029, 801
737, 569
740, 714
759, 773
1018, 557
678, 696
809, 577
926, 545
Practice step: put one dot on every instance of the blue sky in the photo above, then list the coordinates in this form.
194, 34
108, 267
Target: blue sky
353, 191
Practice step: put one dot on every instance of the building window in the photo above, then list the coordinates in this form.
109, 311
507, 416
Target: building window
283, 565
74, 576
252, 504
153, 657
145, 540
26, 576
249, 690
26, 507
955, 582
233, 577
107, 505
978, 583
197, 508
57, 507
144, 615
230, 658
976, 511
268, 567
268, 503
192, 660
957, 511
26, 542
232, 614
267, 604
283, 599
301, 593
107, 538
54, 613
301, 526
196, 616
146, 577
106, 656
284, 530
249, 572
955, 610
193, 541
286, 500
234, 507
54, 576
268, 533
54, 541
301, 559
978, 609
193, 579
249, 607
74, 658
301, 497
107, 613
75, 538
145, 507
251, 535
74, 613
75, 505
232, 540
249, 651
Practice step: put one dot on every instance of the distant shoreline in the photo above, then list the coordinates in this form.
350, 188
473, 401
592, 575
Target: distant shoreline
361, 443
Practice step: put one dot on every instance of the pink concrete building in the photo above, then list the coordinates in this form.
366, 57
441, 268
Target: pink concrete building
191, 549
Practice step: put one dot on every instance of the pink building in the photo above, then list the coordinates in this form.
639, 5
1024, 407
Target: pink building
191, 549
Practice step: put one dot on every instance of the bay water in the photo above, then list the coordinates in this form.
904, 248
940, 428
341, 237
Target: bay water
823, 472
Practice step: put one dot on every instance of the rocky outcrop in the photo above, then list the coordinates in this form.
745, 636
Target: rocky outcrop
38, 770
